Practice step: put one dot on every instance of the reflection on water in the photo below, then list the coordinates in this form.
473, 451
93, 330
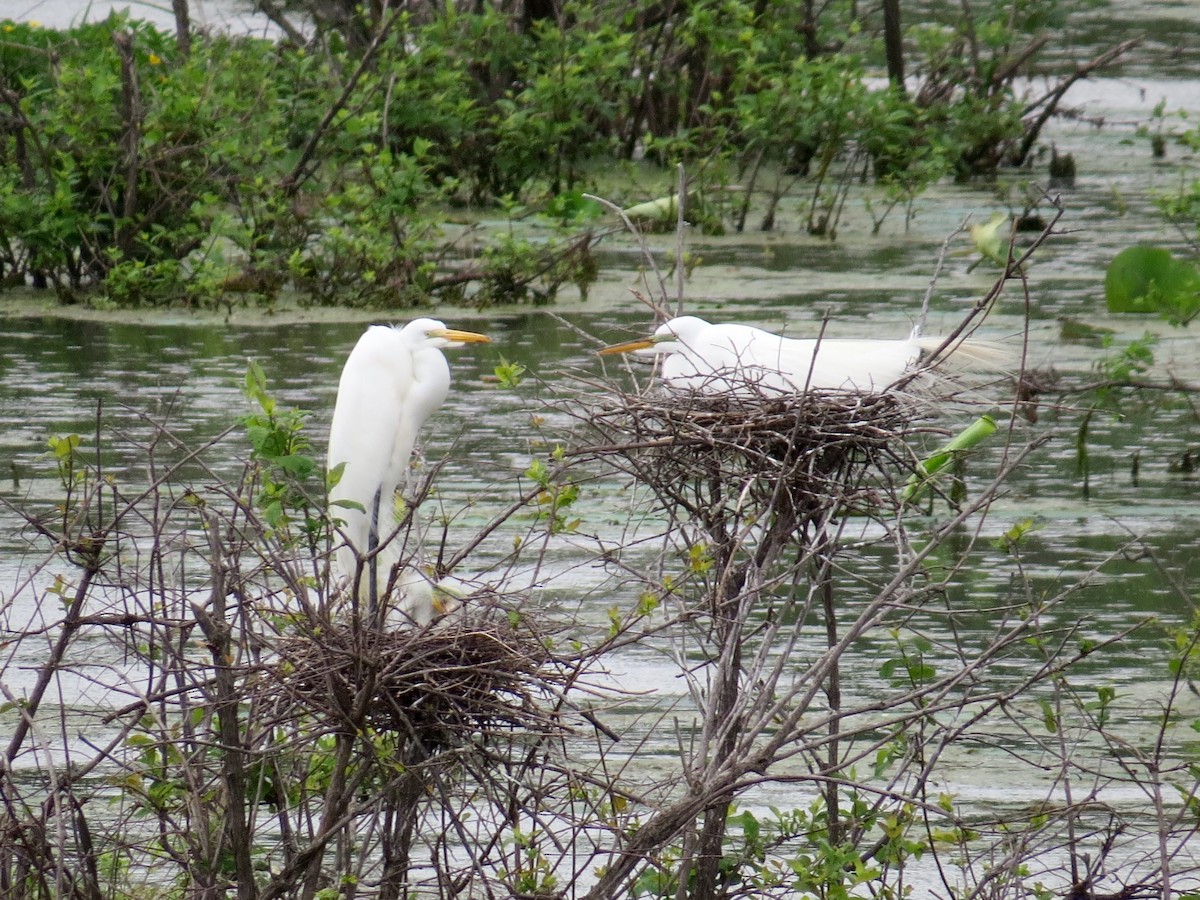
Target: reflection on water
227, 15
1164, 27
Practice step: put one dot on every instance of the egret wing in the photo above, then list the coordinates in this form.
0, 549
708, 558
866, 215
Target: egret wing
846, 364
367, 432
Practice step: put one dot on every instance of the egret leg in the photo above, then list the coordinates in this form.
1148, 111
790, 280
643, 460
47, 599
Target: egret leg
372, 546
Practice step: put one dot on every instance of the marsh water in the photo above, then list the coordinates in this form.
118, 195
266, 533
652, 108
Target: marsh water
1141, 497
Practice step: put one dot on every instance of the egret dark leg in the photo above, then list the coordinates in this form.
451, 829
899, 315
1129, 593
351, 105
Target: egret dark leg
372, 545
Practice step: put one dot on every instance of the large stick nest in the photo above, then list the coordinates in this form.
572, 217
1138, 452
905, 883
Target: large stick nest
748, 453
478, 671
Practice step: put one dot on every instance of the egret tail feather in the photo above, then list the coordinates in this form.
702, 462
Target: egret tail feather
968, 355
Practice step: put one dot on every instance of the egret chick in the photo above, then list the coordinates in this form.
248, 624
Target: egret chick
393, 381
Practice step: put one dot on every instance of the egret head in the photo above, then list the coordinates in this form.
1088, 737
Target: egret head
670, 337
433, 333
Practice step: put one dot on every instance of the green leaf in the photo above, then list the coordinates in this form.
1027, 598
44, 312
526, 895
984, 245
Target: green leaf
508, 374
750, 827
1016, 534
988, 240
920, 672
334, 475
538, 473
647, 604
1049, 717
573, 206
975, 433
255, 388
62, 447
297, 465
1145, 279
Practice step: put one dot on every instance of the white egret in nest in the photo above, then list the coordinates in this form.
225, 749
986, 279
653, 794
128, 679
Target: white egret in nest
735, 359
393, 381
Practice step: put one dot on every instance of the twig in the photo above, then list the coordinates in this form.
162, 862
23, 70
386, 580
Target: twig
291, 182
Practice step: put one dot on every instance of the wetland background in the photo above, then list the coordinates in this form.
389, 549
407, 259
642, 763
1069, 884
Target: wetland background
1018, 720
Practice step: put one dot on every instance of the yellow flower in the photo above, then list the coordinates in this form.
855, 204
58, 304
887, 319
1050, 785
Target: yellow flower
155, 59
9, 29
34, 23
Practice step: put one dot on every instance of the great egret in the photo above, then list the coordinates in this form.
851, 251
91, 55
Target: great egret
393, 381
735, 359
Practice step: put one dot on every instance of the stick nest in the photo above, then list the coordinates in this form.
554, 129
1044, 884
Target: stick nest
713, 454
436, 686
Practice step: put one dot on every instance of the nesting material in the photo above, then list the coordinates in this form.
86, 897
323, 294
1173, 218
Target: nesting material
436, 687
715, 454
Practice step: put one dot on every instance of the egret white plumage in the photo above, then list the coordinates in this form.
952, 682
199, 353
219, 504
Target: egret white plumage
392, 382
729, 358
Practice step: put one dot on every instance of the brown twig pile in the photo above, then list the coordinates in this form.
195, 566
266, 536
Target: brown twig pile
716, 454
437, 686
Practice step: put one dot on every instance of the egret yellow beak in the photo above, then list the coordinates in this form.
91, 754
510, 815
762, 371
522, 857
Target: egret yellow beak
627, 347
463, 337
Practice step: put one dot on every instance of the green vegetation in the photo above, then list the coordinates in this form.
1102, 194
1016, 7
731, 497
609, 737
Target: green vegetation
356, 167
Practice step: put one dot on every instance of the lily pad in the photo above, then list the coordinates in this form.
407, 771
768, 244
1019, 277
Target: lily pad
1145, 279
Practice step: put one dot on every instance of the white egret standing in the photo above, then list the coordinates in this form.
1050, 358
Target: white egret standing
728, 358
393, 381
